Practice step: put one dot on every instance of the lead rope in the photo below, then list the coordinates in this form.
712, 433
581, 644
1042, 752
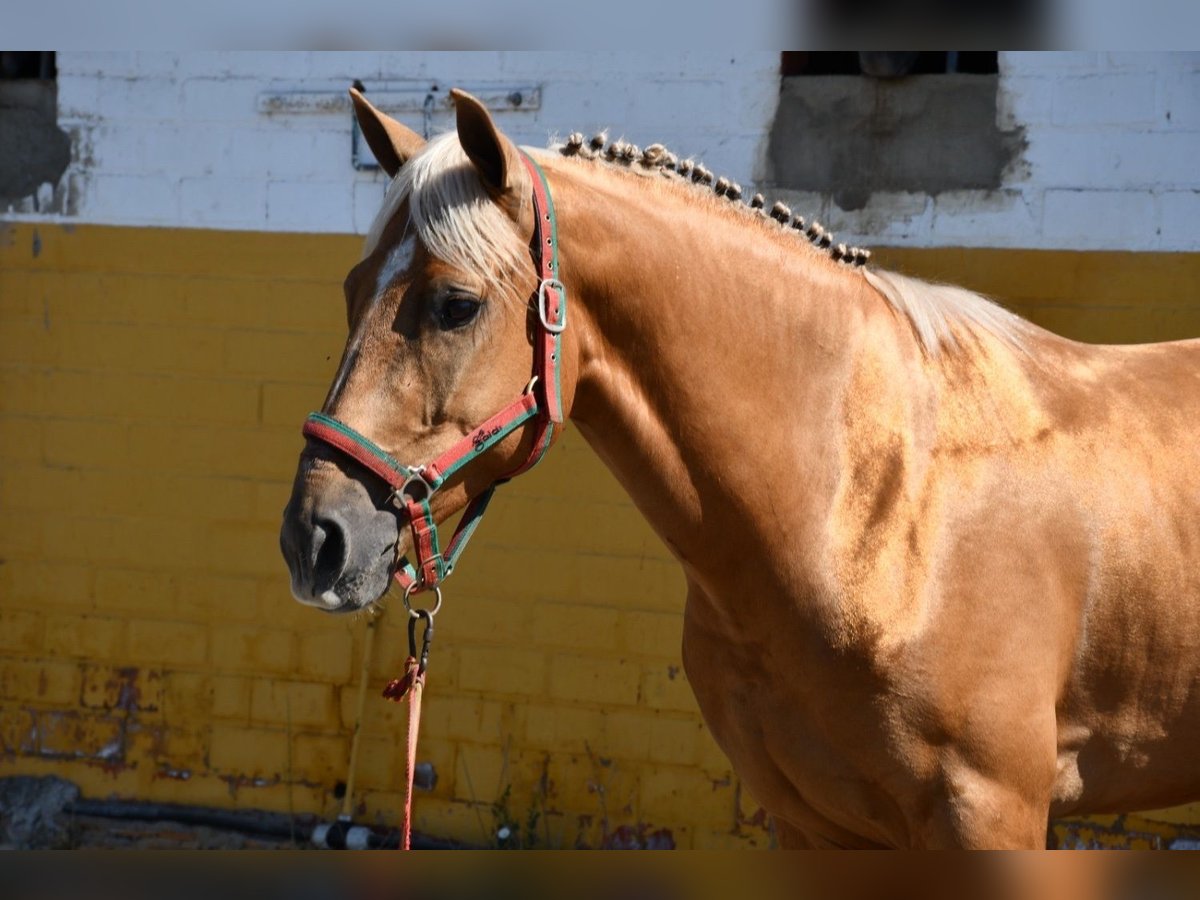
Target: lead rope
411, 686
410, 757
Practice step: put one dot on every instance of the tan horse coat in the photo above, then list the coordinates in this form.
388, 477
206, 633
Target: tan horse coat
935, 595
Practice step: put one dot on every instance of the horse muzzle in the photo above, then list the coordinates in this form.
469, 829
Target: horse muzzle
339, 547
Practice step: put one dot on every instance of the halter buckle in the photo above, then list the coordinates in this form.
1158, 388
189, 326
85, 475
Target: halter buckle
404, 493
561, 289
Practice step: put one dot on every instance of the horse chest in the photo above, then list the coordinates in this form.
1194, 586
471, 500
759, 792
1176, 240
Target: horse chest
804, 750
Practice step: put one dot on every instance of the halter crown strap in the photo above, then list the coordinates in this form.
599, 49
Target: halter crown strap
541, 405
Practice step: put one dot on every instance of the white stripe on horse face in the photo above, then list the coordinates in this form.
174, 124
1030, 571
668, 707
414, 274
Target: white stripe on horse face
398, 261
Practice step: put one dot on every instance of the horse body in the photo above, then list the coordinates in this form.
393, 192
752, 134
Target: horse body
932, 599
938, 589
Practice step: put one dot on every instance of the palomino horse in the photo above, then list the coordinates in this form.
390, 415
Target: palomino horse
943, 566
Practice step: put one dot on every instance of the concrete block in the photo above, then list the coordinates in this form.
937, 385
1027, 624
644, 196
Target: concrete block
127, 688
1075, 159
1049, 62
102, 63
185, 149
1024, 100
20, 631
78, 97
653, 634
502, 670
36, 584
142, 199
594, 679
1181, 98
72, 734
118, 150
43, 682
675, 740
575, 625
178, 643
237, 202
133, 590
1131, 61
89, 637
132, 99
665, 687
320, 758
340, 66
676, 794
446, 69
294, 703
1180, 223
224, 100
329, 152
219, 64
1116, 220
564, 728
368, 200
579, 106
327, 656
246, 648
995, 219
1117, 99
249, 752
310, 206
159, 63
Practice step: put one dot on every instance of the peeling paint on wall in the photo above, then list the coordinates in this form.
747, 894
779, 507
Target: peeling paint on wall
853, 136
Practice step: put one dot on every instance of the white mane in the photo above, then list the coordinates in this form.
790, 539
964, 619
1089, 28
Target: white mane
935, 309
458, 223
452, 213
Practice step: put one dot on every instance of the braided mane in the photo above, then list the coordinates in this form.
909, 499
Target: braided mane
656, 157
935, 311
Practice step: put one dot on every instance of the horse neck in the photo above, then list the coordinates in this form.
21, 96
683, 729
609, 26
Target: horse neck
714, 354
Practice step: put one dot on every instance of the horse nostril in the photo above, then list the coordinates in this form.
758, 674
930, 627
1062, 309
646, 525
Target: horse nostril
329, 552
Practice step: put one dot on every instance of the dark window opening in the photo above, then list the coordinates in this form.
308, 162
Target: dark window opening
851, 125
27, 64
889, 63
34, 151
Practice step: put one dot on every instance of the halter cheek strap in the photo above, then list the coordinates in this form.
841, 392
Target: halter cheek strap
540, 406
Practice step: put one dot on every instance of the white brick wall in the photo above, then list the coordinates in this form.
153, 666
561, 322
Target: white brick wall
176, 139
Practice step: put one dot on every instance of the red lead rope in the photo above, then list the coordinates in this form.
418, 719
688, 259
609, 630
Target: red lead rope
411, 686
416, 688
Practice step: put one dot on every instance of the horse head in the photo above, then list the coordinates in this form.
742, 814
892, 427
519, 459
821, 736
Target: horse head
440, 336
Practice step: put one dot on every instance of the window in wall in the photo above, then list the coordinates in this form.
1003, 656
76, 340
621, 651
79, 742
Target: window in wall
889, 63
33, 150
850, 124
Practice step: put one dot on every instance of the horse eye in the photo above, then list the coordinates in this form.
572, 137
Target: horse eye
458, 311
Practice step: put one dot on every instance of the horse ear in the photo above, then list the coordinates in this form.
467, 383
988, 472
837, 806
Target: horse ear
494, 156
392, 143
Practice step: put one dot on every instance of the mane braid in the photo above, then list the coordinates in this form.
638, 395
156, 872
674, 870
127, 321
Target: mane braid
938, 313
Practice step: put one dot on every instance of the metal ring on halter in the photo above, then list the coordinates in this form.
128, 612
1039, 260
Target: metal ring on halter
416, 613
554, 284
417, 477
529, 387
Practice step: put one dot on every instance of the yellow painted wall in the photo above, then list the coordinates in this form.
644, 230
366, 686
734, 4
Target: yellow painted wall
152, 385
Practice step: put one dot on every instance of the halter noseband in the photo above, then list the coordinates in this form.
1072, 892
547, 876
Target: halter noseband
541, 403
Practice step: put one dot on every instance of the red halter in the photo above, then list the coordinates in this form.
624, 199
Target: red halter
541, 403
